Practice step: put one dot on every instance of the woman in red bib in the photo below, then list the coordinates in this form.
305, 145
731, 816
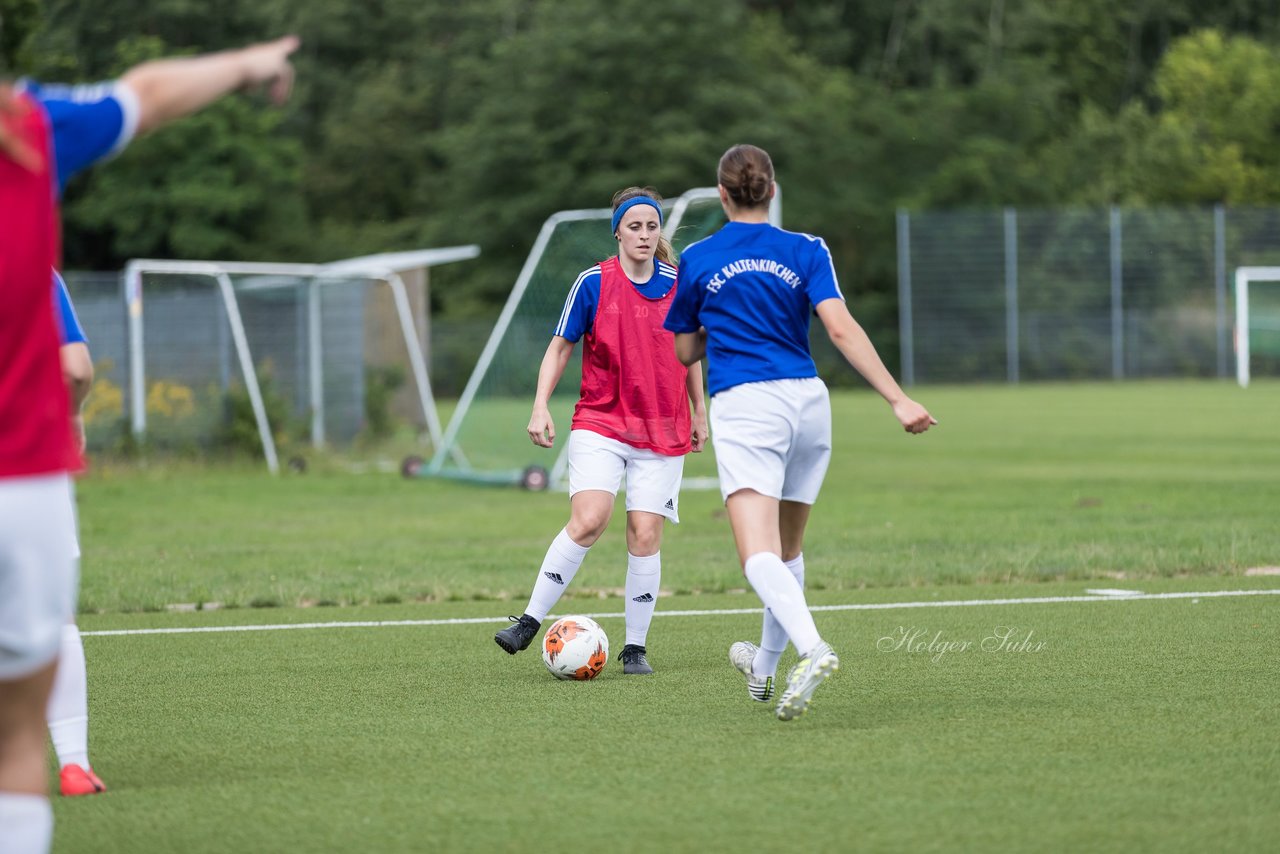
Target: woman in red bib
632, 419
37, 452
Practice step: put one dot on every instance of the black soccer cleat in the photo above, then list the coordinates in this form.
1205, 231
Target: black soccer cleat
519, 634
633, 661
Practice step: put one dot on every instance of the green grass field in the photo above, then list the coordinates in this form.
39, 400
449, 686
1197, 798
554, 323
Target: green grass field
1136, 725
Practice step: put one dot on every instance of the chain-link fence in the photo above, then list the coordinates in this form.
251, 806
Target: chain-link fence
1017, 295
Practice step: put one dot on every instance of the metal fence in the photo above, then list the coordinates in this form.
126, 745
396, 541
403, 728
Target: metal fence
1017, 295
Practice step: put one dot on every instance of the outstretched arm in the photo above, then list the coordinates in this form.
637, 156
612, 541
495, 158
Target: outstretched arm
168, 89
857, 348
542, 430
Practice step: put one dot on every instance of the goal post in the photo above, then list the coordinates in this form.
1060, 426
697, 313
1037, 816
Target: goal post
1257, 294
262, 313
484, 441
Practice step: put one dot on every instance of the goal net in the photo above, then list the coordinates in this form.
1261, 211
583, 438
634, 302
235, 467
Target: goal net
272, 357
1257, 323
486, 439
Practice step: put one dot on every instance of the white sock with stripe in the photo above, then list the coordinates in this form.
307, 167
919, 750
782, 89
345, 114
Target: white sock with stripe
773, 638
783, 595
643, 576
558, 568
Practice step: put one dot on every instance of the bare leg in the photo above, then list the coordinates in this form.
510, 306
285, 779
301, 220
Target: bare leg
22, 733
793, 517
589, 514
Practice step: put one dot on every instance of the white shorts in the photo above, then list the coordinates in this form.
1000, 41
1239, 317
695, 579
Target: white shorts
653, 479
38, 574
773, 437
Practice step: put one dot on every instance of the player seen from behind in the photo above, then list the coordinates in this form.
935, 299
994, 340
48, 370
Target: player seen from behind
743, 300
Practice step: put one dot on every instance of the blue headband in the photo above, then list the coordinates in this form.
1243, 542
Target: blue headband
631, 203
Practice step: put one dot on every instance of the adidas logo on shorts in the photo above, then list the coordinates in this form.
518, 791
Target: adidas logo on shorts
554, 576
643, 598
671, 504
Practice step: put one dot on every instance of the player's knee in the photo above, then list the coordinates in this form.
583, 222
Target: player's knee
585, 528
644, 540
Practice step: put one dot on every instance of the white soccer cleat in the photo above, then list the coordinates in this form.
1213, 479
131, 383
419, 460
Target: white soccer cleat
805, 677
741, 655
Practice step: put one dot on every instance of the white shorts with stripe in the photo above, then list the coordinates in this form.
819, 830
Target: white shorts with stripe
773, 437
653, 479
38, 571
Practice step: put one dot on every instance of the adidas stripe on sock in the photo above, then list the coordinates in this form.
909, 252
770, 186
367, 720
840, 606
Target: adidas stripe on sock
643, 577
560, 565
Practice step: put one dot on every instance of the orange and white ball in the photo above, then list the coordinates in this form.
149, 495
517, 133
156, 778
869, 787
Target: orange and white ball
575, 648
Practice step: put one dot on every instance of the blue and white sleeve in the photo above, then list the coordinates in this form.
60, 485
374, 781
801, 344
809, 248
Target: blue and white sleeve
682, 316
68, 324
579, 310
89, 122
821, 281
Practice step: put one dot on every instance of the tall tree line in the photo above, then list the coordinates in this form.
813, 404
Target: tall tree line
432, 122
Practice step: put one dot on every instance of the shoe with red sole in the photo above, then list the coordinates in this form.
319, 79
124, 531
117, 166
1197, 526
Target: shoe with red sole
78, 780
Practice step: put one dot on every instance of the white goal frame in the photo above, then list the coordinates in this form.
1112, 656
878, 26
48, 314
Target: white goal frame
1244, 276
384, 268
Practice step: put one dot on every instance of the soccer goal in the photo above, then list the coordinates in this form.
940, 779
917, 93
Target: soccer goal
280, 344
485, 441
1257, 320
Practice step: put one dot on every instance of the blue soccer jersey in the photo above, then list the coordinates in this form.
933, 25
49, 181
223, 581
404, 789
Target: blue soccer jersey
580, 306
89, 123
69, 328
753, 287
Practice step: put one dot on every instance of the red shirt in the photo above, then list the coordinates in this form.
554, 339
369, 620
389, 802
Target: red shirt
633, 387
35, 412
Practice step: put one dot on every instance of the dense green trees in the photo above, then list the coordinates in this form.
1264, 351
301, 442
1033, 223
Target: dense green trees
437, 122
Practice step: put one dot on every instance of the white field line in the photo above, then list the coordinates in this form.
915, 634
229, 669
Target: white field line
874, 606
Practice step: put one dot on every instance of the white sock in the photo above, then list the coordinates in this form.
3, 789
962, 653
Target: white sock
643, 575
68, 709
26, 824
783, 595
558, 569
773, 638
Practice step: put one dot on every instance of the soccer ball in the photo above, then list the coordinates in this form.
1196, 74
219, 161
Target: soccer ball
575, 648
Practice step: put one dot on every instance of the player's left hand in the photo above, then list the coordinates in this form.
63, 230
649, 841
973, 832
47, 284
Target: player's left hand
700, 432
913, 417
268, 65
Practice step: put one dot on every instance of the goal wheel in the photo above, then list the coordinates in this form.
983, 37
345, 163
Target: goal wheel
535, 479
412, 466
